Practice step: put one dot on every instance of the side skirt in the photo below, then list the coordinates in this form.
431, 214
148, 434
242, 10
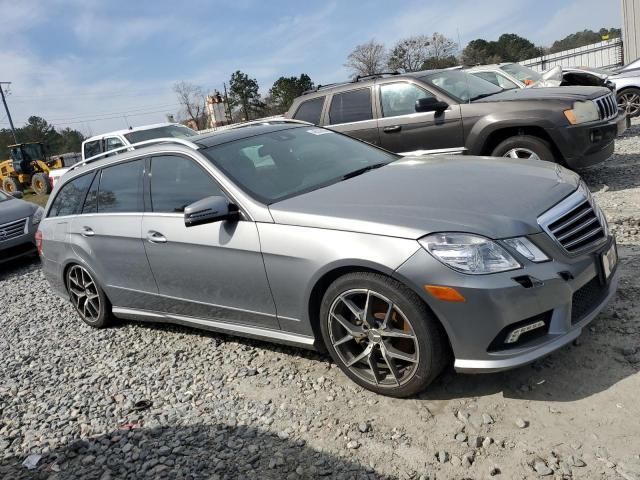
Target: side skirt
276, 336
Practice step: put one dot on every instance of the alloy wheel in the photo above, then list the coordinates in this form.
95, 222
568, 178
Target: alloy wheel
630, 102
521, 152
84, 293
373, 338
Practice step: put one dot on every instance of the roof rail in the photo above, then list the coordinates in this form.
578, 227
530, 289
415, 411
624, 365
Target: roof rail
267, 121
322, 87
145, 143
375, 75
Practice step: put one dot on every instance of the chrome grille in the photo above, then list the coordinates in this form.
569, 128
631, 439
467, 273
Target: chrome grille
12, 229
575, 223
607, 106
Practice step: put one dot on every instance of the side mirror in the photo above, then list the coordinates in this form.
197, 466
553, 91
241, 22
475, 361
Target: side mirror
431, 104
17, 194
210, 210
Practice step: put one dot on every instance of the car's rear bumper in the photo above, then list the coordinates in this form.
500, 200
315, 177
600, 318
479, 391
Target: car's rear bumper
585, 145
567, 294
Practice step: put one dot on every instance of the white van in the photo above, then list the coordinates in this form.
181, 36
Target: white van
121, 138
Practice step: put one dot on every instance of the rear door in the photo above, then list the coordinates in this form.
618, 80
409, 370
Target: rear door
403, 130
107, 235
351, 112
213, 271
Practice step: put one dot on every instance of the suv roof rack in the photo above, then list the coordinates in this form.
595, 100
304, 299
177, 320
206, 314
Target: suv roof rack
375, 75
357, 79
145, 143
268, 121
322, 87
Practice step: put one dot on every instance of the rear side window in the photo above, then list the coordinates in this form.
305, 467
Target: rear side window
91, 148
310, 110
69, 199
177, 182
354, 106
121, 188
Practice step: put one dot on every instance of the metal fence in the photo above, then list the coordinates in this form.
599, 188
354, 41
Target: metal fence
606, 54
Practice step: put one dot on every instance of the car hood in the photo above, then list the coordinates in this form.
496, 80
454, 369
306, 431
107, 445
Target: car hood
550, 93
15, 209
414, 196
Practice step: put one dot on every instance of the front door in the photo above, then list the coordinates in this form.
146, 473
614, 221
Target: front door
403, 130
213, 271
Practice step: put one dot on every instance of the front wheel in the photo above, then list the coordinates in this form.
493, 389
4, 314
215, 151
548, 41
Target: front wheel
40, 184
526, 147
381, 334
87, 297
629, 101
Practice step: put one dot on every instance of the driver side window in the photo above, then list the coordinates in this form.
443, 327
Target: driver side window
177, 182
400, 98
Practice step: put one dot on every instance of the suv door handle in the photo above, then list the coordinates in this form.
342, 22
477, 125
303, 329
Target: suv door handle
156, 237
395, 128
87, 232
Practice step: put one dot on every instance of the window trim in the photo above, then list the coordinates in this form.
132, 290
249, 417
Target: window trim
342, 92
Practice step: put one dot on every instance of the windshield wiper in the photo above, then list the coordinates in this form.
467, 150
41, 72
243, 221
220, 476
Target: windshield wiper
484, 95
362, 170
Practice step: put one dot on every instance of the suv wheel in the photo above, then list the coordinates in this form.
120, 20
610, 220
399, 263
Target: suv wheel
87, 297
524, 146
381, 334
629, 101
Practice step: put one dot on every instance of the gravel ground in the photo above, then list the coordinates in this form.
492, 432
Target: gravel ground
155, 401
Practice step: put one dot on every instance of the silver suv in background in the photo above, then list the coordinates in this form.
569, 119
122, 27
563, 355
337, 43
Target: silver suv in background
291, 233
121, 138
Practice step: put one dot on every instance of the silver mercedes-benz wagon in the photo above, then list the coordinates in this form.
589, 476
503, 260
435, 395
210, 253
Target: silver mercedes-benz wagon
288, 232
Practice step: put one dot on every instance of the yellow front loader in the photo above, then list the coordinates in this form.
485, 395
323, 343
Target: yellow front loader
27, 167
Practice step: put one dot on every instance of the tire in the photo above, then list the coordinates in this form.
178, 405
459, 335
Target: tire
40, 184
11, 185
629, 100
411, 331
525, 146
87, 297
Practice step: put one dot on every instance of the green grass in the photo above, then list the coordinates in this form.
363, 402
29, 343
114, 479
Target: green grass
37, 199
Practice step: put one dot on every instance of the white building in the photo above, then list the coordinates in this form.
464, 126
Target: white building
631, 29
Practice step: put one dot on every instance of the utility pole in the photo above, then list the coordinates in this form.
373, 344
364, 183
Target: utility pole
6, 108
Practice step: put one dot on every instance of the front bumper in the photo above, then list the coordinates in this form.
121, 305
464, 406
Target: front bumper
497, 303
20, 246
588, 144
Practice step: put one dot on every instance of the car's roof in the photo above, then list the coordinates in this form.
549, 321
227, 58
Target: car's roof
133, 129
212, 139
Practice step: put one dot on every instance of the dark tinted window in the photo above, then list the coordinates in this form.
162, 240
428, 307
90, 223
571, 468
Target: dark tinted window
91, 148
352, 106
400, 98
310, 110
69, 199
121, 188
177, 182
91, 200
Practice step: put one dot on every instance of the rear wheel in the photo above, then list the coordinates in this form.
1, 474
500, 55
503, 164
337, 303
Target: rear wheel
87, 297
524, 146
40, 184
629, 100
381, 334
11, 185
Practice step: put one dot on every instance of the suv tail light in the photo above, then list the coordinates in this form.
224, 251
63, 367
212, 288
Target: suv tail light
39, 238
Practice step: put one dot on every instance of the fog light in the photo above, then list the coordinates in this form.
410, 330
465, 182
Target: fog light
515, 335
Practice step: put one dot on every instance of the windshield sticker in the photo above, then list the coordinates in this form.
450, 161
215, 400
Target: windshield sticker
318, 131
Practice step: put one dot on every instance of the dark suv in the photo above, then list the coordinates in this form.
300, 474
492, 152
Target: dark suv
448, 111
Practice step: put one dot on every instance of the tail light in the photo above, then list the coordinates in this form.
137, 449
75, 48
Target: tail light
39, 237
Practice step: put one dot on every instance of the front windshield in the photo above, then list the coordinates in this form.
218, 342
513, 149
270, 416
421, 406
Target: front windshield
170, 131
3, 196
461, 85
284, 163
522, 73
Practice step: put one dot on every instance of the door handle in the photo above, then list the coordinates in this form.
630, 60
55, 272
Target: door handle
395, 128
156, 237
87, 232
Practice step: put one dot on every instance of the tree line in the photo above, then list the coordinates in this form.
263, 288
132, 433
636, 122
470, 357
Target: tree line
37, 129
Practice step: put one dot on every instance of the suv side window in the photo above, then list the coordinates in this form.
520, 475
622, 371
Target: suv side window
177, 182
92, 148
121, 188
400, 98
69, 199
353, 106
310, 110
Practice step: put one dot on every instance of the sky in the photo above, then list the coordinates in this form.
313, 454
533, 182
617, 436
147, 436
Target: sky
98, 66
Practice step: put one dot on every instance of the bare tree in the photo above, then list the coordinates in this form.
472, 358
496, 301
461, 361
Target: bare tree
409, 54
367, 59
193, 101
441, 46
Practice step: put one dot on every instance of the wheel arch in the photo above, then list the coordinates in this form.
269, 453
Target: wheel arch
498, 136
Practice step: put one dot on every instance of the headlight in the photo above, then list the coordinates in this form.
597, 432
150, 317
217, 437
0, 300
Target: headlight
527, 249
37, 216
582, 112
469, 253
